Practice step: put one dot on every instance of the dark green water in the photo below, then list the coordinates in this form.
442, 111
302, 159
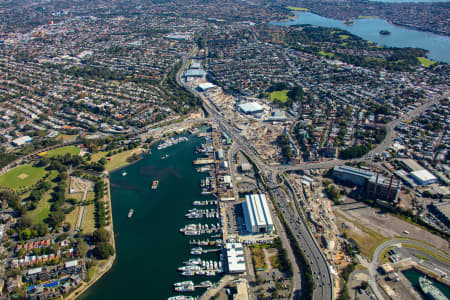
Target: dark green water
413, 276
149, 246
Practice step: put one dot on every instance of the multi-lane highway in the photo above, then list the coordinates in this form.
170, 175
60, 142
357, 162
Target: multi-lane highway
320, 270
322, 276
292, 214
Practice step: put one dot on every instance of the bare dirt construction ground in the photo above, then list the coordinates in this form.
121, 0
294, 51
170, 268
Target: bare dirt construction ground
386, 224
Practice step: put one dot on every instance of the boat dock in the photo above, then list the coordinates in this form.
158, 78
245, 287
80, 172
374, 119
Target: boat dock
203, 161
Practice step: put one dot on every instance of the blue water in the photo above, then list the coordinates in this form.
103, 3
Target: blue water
408, 1
369, 29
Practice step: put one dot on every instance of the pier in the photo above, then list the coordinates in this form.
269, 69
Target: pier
203, 161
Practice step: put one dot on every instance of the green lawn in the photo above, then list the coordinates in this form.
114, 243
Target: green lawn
327, 54
71, 217
72, 150
120, 159
98, 155
297, 8
40, 213
280, 95
88, 224
426, 62
22, 176
344, 36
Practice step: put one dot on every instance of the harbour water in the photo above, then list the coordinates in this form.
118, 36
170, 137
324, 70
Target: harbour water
369, 29
413, 276
149, 246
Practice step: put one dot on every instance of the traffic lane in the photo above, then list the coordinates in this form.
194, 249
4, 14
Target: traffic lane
318, 268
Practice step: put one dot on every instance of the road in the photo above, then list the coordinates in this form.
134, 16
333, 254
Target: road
323, 288
319, 265
294, 217
372, 267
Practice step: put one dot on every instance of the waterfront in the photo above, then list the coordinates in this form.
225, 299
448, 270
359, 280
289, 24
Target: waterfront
149, 246
369, 29
413, 276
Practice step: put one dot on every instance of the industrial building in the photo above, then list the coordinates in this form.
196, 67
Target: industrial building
380, 187
194, 73
251, 108
257, 214
375, 185
206, 86
219, 154
423, 177
235, 257
352, 175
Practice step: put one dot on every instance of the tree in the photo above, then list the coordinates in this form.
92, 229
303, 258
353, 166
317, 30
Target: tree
55, 218
103, 250
101, 235
82, 248
42, 229
25, 234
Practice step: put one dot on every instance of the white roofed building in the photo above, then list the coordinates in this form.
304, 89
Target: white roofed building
235, 257
423, 177
257, 214
251, 108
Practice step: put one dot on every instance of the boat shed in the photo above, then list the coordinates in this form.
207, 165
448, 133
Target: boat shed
257, 214
235, 257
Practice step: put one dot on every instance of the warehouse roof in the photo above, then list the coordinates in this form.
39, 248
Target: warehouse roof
251, 107
354, 171
206, 86
423, 175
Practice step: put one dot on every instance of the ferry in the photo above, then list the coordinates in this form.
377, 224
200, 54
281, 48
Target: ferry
130, 213
124, 174
155, 184
432, 292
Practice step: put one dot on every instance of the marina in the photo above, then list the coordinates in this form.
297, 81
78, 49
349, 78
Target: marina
171, 142
134, 245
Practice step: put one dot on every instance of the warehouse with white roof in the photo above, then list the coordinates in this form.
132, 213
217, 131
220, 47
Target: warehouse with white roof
251, 108
423, 177
257, 214
235, 257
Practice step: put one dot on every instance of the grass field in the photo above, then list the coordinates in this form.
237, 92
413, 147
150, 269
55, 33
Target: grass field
297, 8
22, 176
366, 239
98, 155
120, 159
424, 250
327, 54
367, 17
76, 196
40, 213
71, 217
426, 62
258, 258
90, 196
344, 36
88, 224
280, 95
67, 137
72, 150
